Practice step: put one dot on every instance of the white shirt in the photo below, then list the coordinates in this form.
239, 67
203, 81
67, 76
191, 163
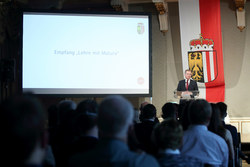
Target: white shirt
186, 82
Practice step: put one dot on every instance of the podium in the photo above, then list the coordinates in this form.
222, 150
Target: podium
186, 95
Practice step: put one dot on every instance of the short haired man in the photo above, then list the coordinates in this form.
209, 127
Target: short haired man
223, 113
187, 85
115, 117
168, 137
169, 110
143, 130
200, 143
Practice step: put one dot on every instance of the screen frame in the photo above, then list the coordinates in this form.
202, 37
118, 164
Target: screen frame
149, 15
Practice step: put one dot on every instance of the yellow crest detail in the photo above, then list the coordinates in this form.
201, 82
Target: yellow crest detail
196, 65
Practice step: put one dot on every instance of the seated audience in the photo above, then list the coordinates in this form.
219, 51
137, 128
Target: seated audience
143, 104
133, 142
200, 143
223, 113
216, 127
169, 110
65, 108
85, 127
115, 116
64, 134
144, 129
168, 137
184, 114
24, 140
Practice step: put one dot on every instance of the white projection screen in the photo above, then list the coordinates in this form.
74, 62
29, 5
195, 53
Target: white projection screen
88, 54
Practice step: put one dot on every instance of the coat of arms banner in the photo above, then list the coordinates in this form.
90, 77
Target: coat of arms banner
201, 46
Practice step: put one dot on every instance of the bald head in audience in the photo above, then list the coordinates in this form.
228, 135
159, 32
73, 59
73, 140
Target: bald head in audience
115, 117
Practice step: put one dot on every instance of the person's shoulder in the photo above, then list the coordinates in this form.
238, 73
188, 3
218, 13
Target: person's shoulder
180, 81
169, 160
217, 139
230, 127
191, 80
191, 161
145, 159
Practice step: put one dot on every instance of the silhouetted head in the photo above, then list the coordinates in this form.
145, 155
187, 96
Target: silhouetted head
65, 108
148, 112
200, 112
223, 109
215, 121
168, 134
86, 116
169, 110
115, 116
143, 104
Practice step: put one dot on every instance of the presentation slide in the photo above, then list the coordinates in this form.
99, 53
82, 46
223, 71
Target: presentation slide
85, 53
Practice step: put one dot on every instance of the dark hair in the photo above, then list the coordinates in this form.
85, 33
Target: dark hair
86, 116
169, 110
143, 104
22, 123
87, 106
148, 112
184, 110
199, 112
168, 134
223, 109
65, 110
215, 124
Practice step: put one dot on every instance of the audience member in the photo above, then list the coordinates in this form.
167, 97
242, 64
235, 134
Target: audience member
49, 159
65, 132
115, 116
24, 140
223, 113
143, 104
85, 127
216, 127
169, 110
53, 123
65, 107
200, 143
184, 114
168, 137
133, 142
144, 129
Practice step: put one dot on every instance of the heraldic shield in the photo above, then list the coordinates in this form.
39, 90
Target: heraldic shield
203, 65
140, 28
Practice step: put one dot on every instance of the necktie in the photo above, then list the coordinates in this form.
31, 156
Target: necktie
187, 85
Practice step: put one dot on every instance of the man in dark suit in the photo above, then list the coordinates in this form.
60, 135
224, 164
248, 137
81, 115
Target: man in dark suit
188, 85
143, 130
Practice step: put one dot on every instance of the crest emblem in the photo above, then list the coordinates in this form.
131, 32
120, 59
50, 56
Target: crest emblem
202, 60
140, 28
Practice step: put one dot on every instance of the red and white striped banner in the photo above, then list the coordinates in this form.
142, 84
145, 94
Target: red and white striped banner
201, 45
